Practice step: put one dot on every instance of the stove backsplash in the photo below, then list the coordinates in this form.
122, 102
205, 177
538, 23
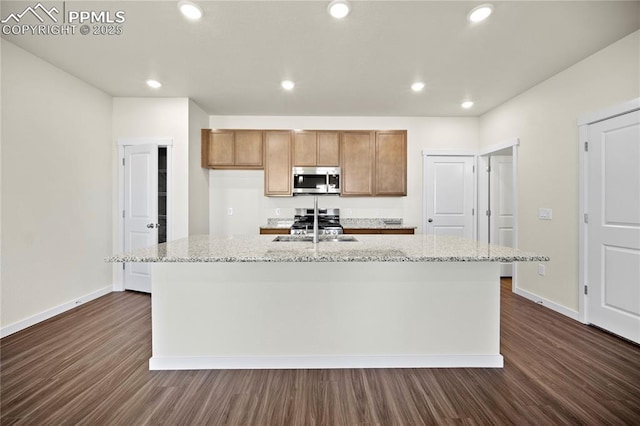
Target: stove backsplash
241, 193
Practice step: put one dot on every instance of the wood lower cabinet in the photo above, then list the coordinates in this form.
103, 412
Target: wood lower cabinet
277, 172
357, 151
275, 231
391, 163
232, 149
316, 148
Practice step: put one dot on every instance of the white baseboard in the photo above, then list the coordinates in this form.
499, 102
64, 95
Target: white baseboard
548, 303
50, 313
315, 362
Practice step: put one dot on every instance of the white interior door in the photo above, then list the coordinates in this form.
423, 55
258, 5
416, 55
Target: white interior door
140, 210
501, 205
449, 195
613, 229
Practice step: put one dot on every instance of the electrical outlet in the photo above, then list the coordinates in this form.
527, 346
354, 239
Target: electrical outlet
541, 269
230, 211
277, 212
545, 214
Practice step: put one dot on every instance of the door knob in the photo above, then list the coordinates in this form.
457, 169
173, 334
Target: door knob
429, 220
153, 225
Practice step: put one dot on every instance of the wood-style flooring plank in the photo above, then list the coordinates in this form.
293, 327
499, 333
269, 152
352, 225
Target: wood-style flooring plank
90, 366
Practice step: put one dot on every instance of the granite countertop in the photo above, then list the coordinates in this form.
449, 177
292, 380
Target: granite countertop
376, 223
367, 248
278, 224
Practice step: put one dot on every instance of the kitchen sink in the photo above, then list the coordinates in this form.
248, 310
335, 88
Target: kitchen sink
309, 238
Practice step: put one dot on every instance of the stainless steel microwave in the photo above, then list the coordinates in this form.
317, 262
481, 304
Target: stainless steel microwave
316, 180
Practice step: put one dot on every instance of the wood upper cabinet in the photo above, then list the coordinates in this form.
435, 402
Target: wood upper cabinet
328, 148
248, 148
278, 162
305, 148
357, 155
374, 163
391, 163
316, 148
232, 149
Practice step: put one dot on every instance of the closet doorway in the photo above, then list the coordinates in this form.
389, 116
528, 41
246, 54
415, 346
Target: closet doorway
497, 199
144, 204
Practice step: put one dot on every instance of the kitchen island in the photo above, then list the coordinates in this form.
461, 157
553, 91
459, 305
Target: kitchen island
379, 302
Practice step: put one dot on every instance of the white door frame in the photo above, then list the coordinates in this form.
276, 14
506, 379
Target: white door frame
122, 142
583, 127
514, 145
425, 155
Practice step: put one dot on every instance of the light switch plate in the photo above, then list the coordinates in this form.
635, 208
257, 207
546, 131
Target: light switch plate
545, 214
541, 269
230, 211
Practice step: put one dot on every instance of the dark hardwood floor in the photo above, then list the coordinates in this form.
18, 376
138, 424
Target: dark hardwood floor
90, 366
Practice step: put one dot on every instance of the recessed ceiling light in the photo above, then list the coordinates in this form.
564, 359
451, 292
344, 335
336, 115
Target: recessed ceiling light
155, 84
466, 104
288, 85
417, 86
190, 10
339, 8
480, 13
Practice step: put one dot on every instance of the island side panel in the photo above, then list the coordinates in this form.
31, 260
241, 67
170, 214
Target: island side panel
325, 315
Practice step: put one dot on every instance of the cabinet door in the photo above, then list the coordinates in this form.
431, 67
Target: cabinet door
357, 163
328, 149
221, 148
304, 148
277, 173
248, 148
391, 163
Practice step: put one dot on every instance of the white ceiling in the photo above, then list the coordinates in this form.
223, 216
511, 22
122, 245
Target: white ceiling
232, 61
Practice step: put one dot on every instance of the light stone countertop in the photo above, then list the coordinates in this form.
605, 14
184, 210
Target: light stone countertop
367, 248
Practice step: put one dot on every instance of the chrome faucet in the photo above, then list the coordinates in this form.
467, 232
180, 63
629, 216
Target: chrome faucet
315, 219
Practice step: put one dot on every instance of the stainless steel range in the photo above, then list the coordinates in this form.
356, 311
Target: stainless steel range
328, 222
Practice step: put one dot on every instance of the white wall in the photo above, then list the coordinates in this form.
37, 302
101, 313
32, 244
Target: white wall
158, 118
198, 177
56, 190
244, 191
1, 134
545, 120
